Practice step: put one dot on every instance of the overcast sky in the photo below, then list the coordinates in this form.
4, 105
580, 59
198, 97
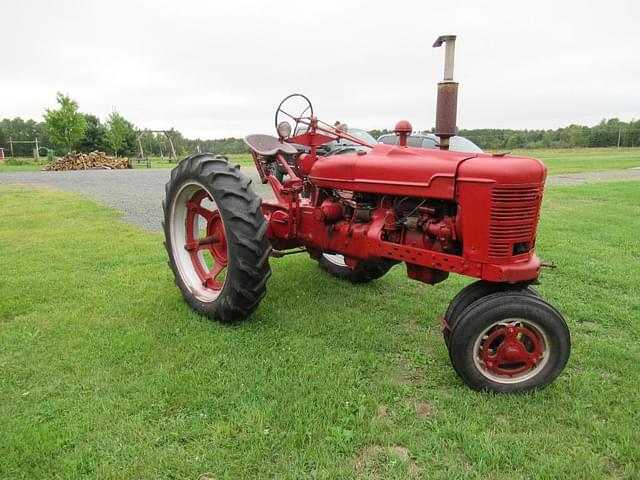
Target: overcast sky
213, 69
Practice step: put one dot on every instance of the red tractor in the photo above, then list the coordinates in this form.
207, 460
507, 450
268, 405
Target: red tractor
359, 211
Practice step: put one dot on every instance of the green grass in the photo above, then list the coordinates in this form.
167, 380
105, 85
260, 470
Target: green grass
29, 165
106, 373
557, 160
243, 159
24, 164
575, 160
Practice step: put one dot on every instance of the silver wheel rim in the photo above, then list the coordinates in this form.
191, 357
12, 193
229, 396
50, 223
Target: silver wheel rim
335, 259
178, 233
518, 378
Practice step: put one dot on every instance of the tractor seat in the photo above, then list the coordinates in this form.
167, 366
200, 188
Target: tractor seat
267, 145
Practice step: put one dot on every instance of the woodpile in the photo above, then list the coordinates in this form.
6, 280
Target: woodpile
89, 161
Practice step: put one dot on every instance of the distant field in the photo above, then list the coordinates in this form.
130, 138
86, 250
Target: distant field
243, 159
557, 160
574, 160
29, 167
156, 162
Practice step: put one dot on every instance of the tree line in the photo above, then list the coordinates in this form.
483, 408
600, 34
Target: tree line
608, 133
66, 128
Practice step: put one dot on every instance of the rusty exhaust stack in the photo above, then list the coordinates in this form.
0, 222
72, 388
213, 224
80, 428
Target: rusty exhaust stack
447, 106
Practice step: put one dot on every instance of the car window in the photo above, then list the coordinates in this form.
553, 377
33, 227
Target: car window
461, 144
429, 143
456, 144
388, 139
414, 141
362, 135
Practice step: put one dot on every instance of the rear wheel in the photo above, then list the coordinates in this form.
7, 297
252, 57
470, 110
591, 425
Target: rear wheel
363, 272
215, 236
470, 294
509, 342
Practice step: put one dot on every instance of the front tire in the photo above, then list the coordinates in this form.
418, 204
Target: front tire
364, 271
215, 236
470, 294
509, 342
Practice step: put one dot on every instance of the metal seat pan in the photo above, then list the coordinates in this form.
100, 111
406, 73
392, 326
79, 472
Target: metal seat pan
267, 145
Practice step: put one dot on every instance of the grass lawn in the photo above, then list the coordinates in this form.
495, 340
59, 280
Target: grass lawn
243, 159
27, 167
106, 373
557, 160
574, 160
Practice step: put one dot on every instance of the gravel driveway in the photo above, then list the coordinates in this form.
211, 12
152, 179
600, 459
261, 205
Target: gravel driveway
588, 177
139, 193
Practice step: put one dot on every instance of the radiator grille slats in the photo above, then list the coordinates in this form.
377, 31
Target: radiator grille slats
514, 215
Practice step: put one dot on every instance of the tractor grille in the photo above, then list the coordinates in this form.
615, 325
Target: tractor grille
514, 215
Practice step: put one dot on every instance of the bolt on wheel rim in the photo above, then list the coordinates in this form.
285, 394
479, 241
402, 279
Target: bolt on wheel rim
511, 351
199, 242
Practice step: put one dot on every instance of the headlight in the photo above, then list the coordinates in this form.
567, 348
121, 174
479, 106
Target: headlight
284, 129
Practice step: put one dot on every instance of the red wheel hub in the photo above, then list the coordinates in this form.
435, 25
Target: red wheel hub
213, 241
512, 350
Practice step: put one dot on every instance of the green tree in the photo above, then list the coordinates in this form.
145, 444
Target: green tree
121, 134
65, 126
517, 140
375, 133
94, 137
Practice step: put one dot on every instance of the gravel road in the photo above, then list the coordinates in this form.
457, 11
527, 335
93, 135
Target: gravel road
588, 177
139, 193
136, 193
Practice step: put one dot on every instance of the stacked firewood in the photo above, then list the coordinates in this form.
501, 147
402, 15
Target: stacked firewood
89, 161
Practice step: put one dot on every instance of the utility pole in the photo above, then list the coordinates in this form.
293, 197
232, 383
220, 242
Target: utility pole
37, 150
11, 146
619, 135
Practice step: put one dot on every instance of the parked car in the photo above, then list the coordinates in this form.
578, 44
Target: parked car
429, 140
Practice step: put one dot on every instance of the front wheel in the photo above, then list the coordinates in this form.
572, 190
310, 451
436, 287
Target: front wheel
472, 293
509, 342
363, 272
215, 236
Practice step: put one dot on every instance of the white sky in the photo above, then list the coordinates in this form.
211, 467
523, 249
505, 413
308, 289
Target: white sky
214, 69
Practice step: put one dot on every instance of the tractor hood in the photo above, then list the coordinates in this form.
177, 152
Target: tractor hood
392, 170
419, 172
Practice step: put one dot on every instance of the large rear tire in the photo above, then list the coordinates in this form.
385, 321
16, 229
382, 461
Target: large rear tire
364, 271
215, 236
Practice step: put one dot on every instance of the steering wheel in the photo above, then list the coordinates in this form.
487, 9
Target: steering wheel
297, 101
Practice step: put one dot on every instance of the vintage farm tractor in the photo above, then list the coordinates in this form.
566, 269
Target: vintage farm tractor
360, 210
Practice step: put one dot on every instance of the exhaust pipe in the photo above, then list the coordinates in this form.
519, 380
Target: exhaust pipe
447, 105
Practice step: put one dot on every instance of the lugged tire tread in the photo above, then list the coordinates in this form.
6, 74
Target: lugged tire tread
246, 231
